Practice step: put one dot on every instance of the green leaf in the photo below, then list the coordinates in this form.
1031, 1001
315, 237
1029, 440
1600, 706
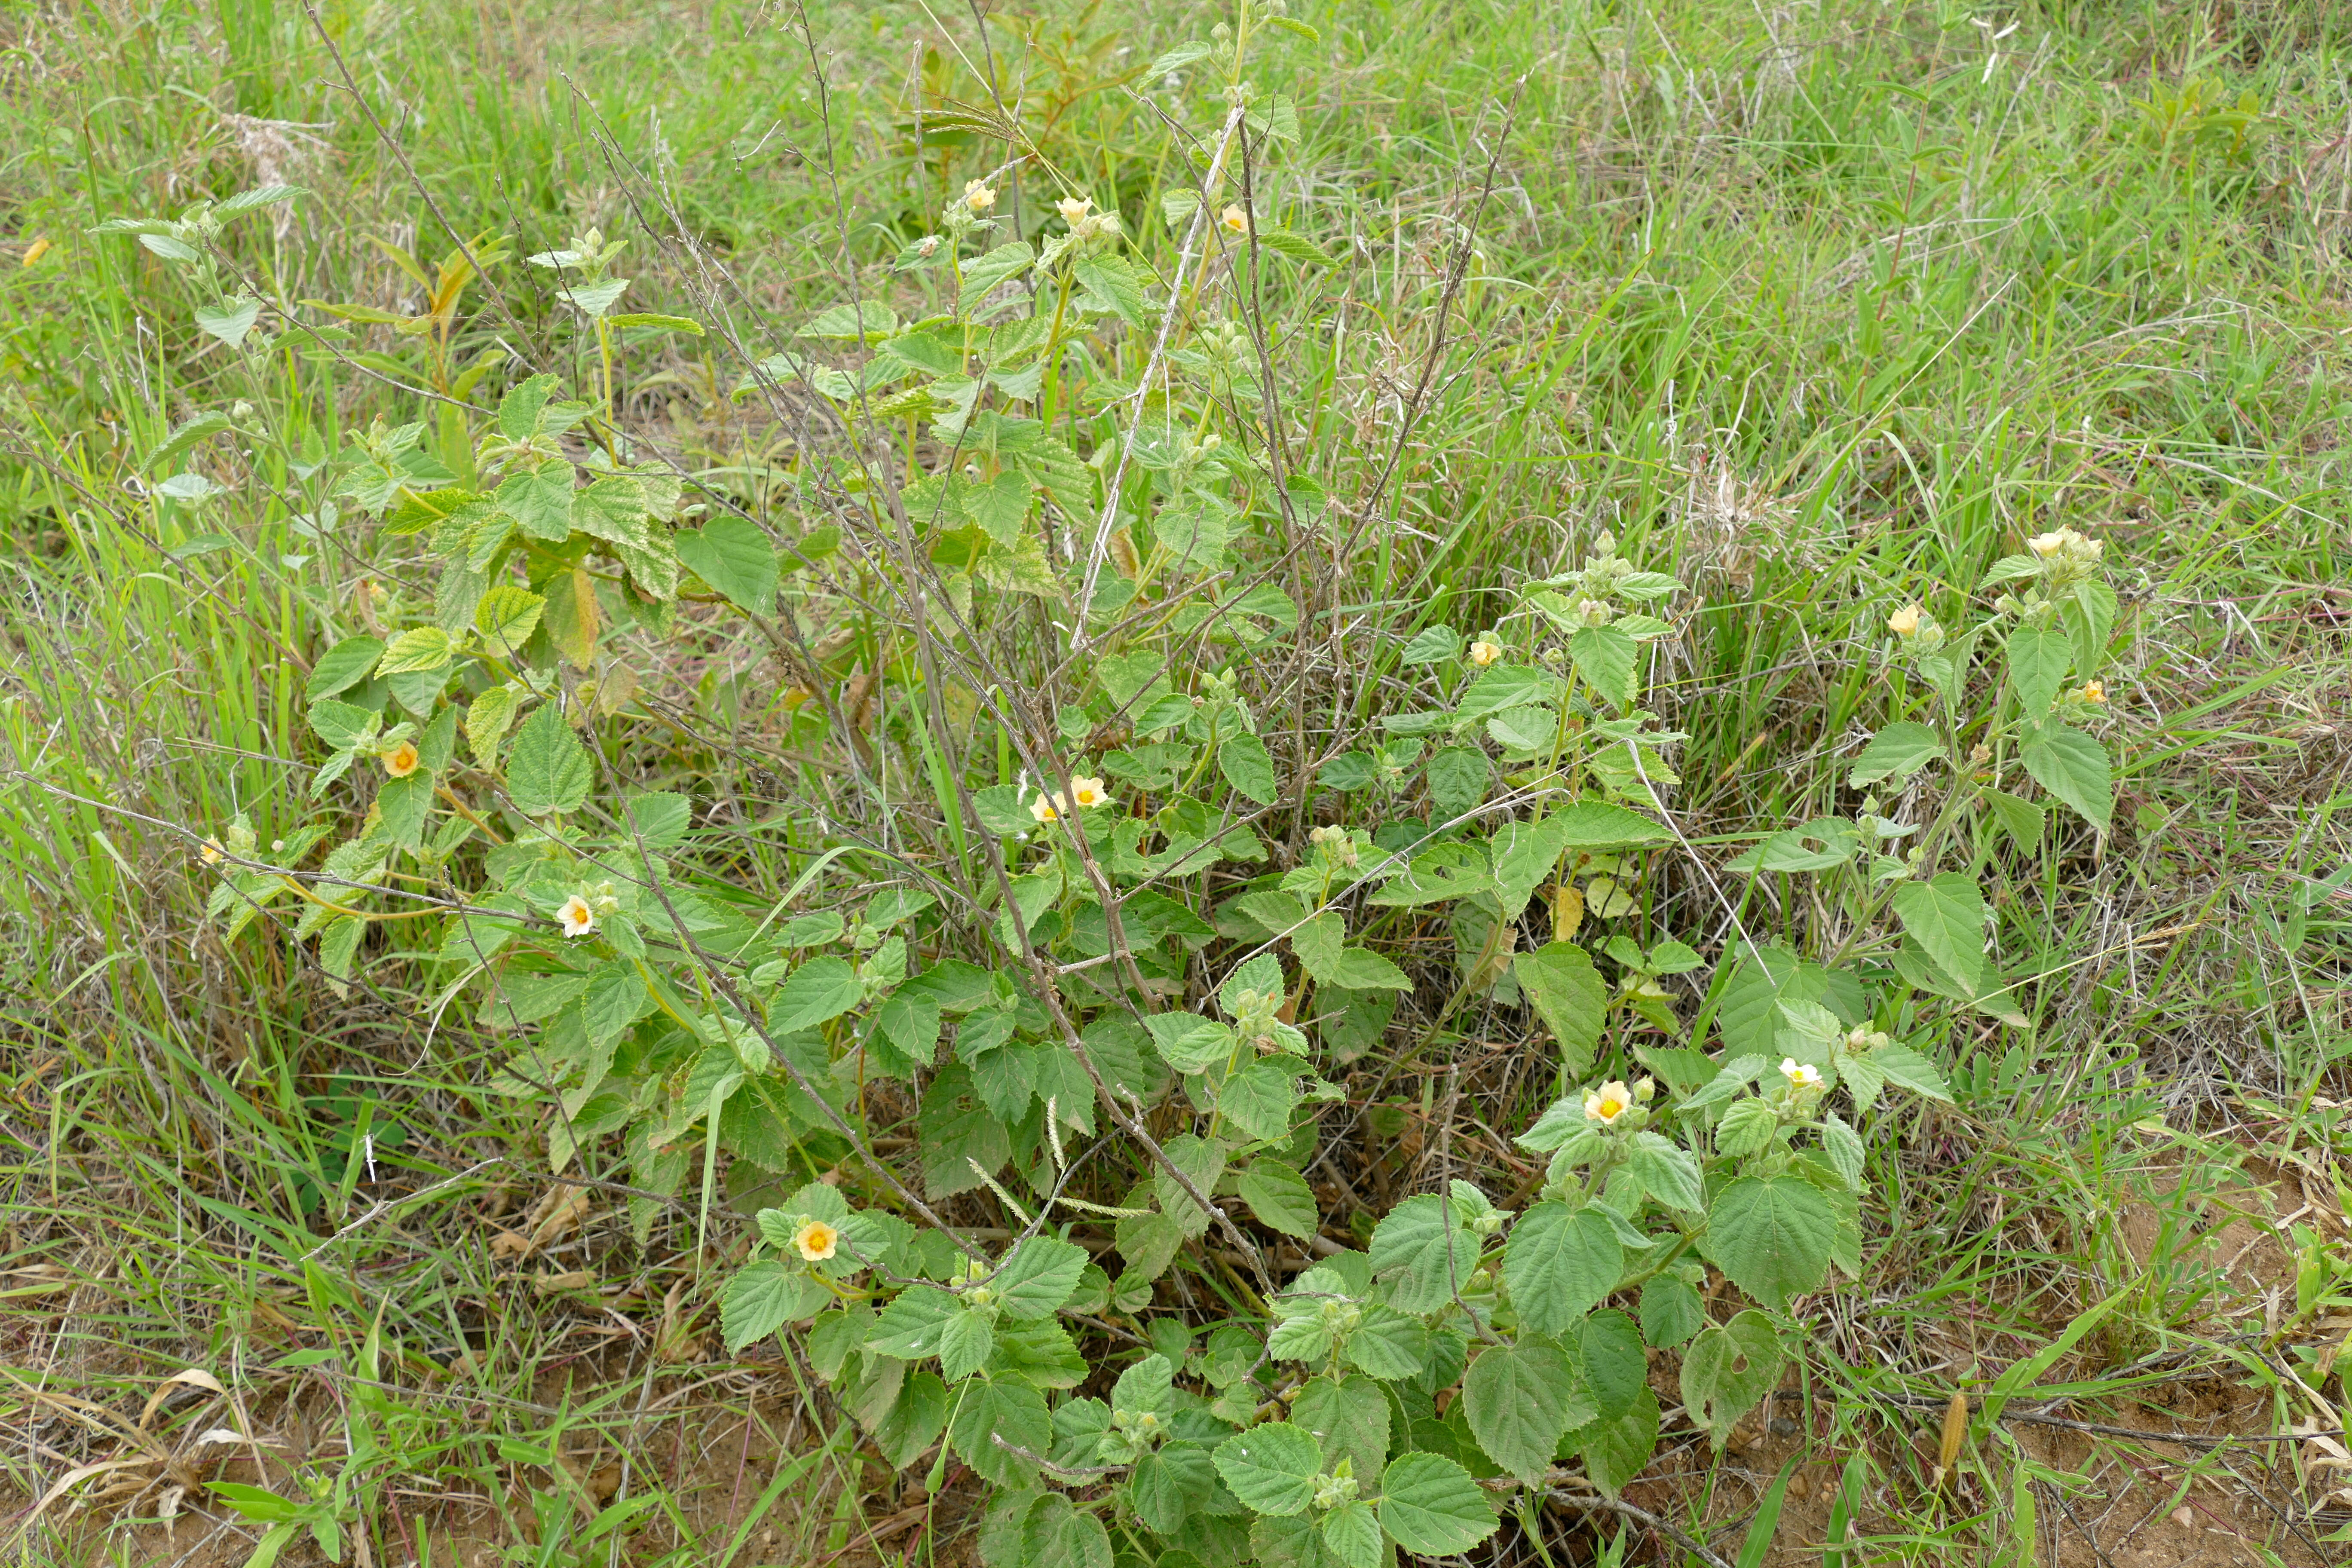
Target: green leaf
342, 666
419, 648
1525, 854
229, 324
1279, 1196
259, 196
614, 510
984, 272
1568, 995
1844, 1146
2090, 614
1670, 1311
1747, 1127
1248, 767
987, 1410
913, 1322
1458, 778
734, 556
1432, 644
2038, 660
2018, 818
1038, 1277
1424, 1253
685, 324
965, 1340
1506, 686
1271, 1467
1667, 1172
518, 410
1204, 1161
1259, 1099
1275, 1541
763, 1297
547, 769
184, 436
1897, 752
1558, 1264
1614, 1452
1727, 1371
1318, 942
1432, 1506
1607, 659
659, 818
1349, 1418
1389, 1344
1608, 1350
1169, 1483
1772, 1236
2074, 767
1519, 1399
487, 721
1352, 1531
1188, 1042
1114, 281
914, 1421
1907, 1068
1001, 506
818, 991
1144, 1386
1946, 916
255, 1502
1362, 969
540, 498
506, 617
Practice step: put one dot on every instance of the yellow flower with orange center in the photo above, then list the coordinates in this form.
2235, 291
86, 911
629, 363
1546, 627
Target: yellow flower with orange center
402, 759
577, 915
1046, 807
1484, 653
816, 1241
1074, 209
2096, 691
1236, 219
1800, 1075
1608, 1102
1088, 792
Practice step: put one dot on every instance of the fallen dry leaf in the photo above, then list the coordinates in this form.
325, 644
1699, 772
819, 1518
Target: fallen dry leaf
561, 1211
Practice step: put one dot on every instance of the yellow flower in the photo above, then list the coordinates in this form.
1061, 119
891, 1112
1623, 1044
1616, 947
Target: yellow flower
1608, 1102
2096, 691
210, 853
1046, 807
1904, 622
1088, 792
401, 761
816, 1240
1484, 653
2049, 543
35, 251
1074, 209
578, 916
978, 196
1800, 1075
1236, 219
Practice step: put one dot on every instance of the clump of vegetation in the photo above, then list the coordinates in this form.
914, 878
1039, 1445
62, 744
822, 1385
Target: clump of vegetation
1197, 889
